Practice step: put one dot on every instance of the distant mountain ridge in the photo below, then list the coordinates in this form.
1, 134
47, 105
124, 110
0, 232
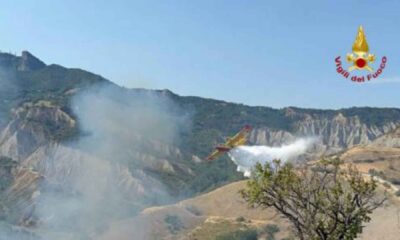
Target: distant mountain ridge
37, 124
25, 78
211, 120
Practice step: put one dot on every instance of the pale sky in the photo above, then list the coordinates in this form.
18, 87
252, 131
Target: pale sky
269, 53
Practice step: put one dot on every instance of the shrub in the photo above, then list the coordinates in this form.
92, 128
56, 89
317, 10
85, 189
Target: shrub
376, 173
249, 234
271, 230
386, 185
395, 181
194, 210
174, 224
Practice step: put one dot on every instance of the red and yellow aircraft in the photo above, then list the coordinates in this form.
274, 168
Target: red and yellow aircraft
239, 139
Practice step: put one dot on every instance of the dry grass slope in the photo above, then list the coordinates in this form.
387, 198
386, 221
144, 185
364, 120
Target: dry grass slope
217, 212
203, 217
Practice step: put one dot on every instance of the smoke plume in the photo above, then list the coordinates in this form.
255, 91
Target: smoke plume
102, 177
246, 157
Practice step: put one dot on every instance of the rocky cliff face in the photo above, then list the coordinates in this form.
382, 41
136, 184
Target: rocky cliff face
26, 62
334, 134
391, 139
125, 169
36, 167
137, 166
32, 126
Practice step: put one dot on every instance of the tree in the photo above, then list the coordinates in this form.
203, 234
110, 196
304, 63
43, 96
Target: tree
327, 201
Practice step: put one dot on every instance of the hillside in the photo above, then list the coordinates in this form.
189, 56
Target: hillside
29, 80
222, 211
25, 78
71, 138
202, 217
380, 158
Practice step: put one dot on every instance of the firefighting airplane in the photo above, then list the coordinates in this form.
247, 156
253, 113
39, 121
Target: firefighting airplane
239, 139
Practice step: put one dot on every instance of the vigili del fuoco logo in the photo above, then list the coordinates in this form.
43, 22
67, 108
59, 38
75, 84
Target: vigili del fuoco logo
360, 59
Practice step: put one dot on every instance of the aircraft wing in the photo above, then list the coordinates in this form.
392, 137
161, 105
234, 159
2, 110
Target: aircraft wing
240, 138
217, 153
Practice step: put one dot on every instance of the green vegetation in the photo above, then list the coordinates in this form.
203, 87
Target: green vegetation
395, 181
211, 120
332, 203
6, 166
249, 234
194, 210
373, 116
240, 219
218, 227
174, 223
271, 230
376, 173
50, 83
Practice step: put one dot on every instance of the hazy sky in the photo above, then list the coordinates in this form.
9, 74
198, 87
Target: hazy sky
272, 53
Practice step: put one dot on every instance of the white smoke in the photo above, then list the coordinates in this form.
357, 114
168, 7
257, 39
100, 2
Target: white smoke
246, 157
104, 178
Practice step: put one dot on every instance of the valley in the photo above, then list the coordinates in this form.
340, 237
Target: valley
130, 161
